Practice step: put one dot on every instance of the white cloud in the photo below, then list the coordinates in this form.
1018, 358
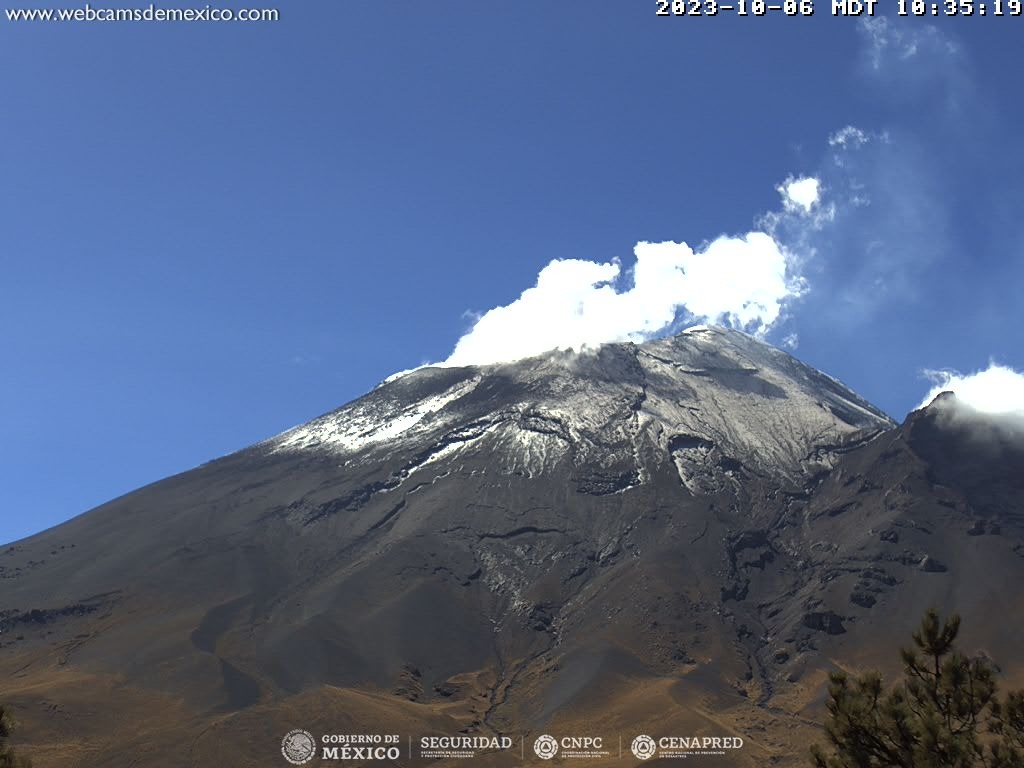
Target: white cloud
799, 194
881, 223
862, 227
848, 142
738, 281
997, 389
900, 43
923, 70
848, 136
747, 282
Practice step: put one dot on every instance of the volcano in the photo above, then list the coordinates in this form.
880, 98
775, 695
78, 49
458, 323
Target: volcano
680, 537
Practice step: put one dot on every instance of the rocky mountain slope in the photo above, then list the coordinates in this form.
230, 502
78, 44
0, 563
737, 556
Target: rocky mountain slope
682, 536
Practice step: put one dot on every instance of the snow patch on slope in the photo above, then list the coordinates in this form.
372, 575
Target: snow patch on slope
530, 453
367, 423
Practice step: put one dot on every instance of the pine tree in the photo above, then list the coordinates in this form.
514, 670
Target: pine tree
7, 757
944, 714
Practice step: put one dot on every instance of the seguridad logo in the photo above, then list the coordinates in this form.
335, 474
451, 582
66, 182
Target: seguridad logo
461, 746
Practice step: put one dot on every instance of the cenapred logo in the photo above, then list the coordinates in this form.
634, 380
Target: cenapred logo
643, 747
298, 747
667, 747
546, 747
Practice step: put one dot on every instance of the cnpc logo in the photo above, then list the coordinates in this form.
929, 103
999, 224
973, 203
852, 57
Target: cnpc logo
546, 747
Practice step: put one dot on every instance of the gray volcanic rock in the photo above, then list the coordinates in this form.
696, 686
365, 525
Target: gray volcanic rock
682, 535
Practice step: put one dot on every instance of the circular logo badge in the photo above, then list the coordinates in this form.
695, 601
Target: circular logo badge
546, 747
298, 747
643, 747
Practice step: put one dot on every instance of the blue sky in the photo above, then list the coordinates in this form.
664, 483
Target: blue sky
212, 232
